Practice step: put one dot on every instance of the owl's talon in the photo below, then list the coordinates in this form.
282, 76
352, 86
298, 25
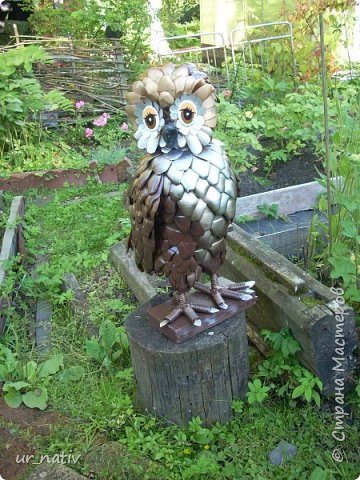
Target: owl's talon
187, 309
236, 291
241, 286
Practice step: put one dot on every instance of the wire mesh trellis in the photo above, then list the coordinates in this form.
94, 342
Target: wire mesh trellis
92, 70
258, 47
206, 50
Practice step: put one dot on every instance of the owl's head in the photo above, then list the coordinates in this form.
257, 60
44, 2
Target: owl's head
172, 107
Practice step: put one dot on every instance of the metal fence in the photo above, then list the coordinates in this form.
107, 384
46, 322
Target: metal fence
206, 50
251, 48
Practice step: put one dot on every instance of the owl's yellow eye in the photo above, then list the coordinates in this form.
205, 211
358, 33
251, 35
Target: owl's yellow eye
187, 112
150, 118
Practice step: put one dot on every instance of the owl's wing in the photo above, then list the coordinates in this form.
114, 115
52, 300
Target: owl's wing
144, 202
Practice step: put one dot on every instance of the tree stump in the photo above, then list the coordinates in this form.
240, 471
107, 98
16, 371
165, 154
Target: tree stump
199, 377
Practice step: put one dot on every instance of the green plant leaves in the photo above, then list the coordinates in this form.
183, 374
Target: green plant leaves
108, 333
36, 398
71, 374
51, 366
31, 378
13, 398
111, 345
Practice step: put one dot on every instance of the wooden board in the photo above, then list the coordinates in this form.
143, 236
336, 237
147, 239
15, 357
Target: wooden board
290, 199
290, 298
182, 329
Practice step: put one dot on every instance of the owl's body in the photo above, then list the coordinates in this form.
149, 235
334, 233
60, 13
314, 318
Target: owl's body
184, 206
184, 193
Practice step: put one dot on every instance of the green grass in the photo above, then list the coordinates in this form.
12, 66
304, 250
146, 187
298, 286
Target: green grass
74, 230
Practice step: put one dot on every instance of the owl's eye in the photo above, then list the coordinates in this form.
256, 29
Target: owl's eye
187, 112
150, 118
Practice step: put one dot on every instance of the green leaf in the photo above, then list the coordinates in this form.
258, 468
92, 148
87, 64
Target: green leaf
349, 228
94, 350
72, 374
319, 474
36, 398
299, 390
108, 334
16, 385
308, 393
316, 397
13, 398
51, 366
29, 370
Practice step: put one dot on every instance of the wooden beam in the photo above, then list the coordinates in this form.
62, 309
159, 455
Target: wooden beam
290, 199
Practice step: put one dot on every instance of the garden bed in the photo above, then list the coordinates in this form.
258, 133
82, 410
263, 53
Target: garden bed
281, 218
56, 178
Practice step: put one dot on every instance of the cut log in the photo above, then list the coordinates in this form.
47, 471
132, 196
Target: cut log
199, 377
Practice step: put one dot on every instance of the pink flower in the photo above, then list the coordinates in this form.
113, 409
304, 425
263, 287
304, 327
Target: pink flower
79, 104
89, 132
227, 93
102, 120
125, 126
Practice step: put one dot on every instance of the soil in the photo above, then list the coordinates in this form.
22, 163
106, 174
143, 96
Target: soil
300, 169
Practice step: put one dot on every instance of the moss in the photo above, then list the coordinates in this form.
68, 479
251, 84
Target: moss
311, 301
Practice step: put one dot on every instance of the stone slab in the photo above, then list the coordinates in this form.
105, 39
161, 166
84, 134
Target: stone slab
9, 247
43, 325
54, 471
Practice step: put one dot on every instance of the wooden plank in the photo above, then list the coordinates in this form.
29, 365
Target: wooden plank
287, 242
290, 199
270, 260
278, 306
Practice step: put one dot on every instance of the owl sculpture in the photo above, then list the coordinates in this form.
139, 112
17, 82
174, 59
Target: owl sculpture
183, 197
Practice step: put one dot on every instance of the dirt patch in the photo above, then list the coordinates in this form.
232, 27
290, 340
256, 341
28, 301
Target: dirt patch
13, 449
38, 421
300, 169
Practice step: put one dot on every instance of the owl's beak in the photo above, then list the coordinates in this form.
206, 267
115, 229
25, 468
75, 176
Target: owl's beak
169, 133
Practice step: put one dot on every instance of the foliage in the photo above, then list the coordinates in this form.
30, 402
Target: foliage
344, 256
111, 345
275, 128
26, 383
24, 145
282, 370
128, 21
306, 33
257, 392
21, 94
270, 211
236, 130
179, 11
244, 219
